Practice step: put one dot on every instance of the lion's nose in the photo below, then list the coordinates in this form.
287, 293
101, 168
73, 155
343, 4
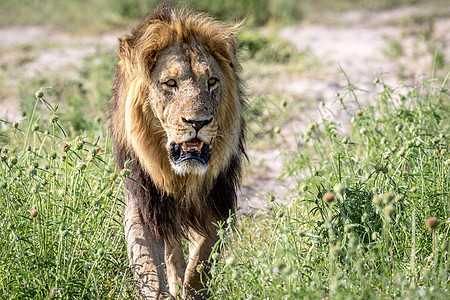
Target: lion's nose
196, 124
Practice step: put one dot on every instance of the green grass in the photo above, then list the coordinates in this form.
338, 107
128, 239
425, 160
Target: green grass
389, 173
61, 202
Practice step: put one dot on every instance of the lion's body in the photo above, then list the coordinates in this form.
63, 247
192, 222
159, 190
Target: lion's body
177, 124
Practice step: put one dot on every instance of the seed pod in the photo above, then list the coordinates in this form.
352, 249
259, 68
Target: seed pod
39, 94
432, 222
33, 213
328, 197
54, 118
363, 131
388, 196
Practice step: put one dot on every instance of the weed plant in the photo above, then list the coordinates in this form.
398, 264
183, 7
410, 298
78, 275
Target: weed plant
370, 221
61, 233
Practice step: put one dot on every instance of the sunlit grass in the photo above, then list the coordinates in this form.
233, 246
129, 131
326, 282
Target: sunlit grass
371, 219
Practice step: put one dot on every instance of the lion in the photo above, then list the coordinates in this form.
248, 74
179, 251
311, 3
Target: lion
177, 124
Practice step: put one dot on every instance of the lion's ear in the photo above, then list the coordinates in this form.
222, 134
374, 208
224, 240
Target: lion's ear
126, 53
163, 12
233, 41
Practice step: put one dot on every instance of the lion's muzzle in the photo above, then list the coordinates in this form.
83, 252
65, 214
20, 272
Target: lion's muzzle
193, 149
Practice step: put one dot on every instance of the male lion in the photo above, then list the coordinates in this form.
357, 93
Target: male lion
177, 124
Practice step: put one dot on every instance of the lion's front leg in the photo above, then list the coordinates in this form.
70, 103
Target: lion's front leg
176, 266
199, 251
145, 253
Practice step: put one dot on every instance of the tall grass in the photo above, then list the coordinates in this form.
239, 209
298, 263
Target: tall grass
371, 219
61, 230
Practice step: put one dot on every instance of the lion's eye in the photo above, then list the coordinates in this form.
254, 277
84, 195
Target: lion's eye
212, 82
171, 83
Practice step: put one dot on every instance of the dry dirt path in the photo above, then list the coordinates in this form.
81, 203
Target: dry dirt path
357, 42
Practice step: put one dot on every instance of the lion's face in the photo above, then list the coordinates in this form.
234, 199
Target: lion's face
178, 101
184, 96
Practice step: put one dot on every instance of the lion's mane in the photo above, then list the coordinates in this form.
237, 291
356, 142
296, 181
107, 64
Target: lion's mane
170, 203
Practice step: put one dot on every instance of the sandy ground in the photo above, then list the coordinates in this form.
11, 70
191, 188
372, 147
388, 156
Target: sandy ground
357, 42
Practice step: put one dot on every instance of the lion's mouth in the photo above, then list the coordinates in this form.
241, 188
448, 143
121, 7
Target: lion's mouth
192, 149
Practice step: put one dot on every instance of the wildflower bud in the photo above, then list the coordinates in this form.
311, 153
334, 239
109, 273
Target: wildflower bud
378, 167
52, 155
125, 173
399, 198
388, 197
35, 127
97, 119
414, 189
432, 222
359, 113
277, 130
65, 147
94, 152
33, 213
79, 145
271, 198
283, 103
31, 170
200, 268
401, 152
81, 166
63, 158
328, 197
345, 140
386, 156
435, 140
4, 150
113, 176
418, 143
363, 131
4, 156
215, 256
15, 125
39, 94
409, 144
394, 149
54, 118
